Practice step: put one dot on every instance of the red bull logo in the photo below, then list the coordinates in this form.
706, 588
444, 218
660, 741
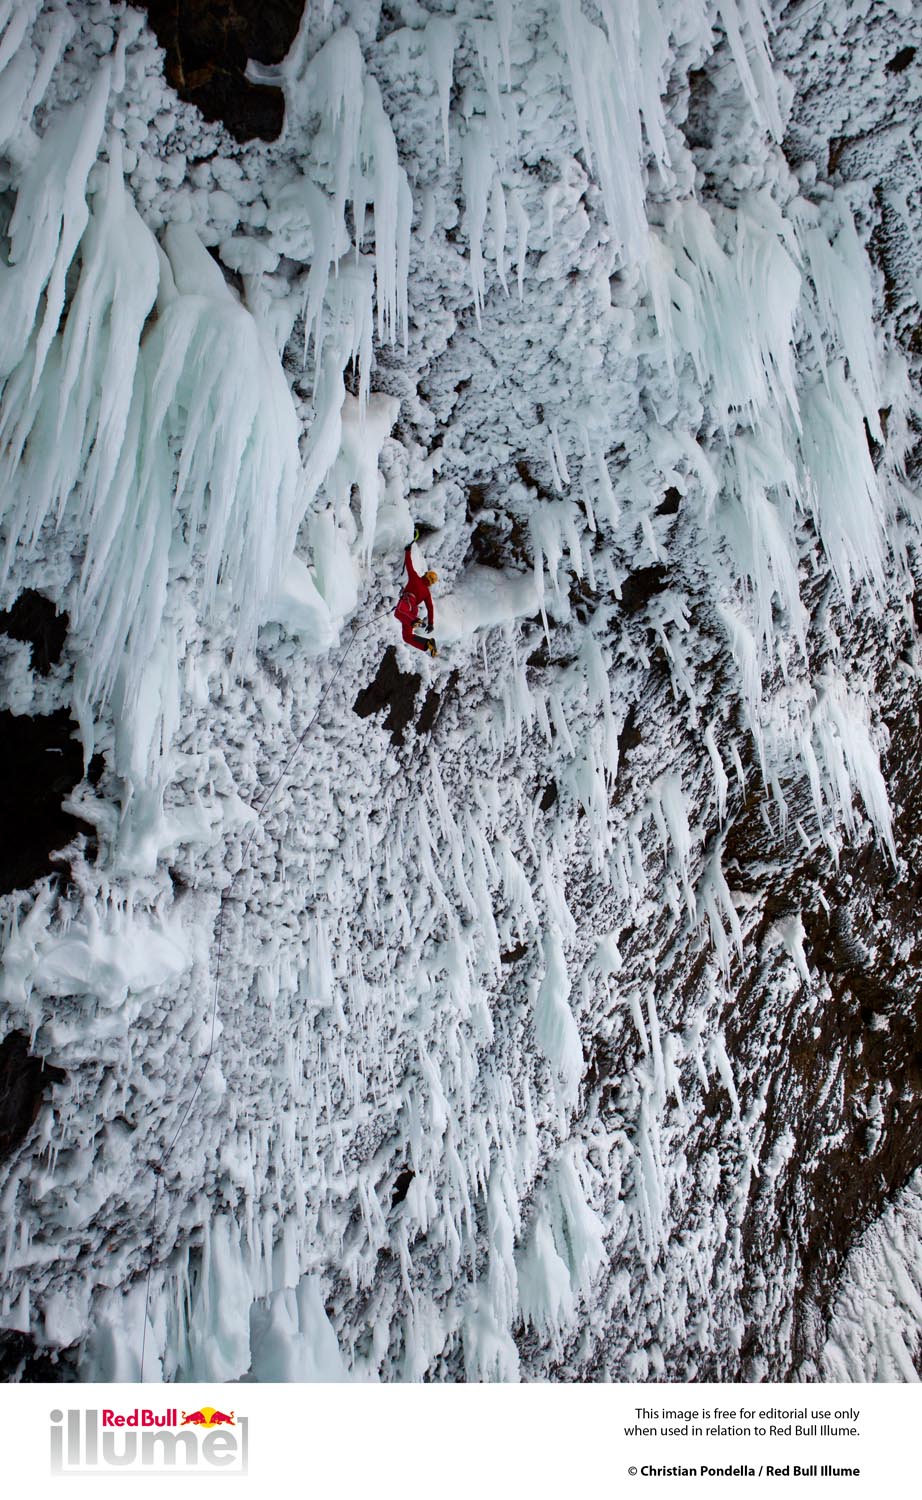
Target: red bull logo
145, 1440
208, 1417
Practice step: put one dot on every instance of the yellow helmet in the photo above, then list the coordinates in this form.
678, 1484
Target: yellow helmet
432, 576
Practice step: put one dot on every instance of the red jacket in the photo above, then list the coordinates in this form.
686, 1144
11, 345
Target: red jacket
415, 593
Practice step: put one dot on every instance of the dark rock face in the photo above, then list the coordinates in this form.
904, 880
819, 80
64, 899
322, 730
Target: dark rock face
208, 45
548, 796
639, 588
670, 502
901, 60
402, 1186
21, 1360
23, 1081
40, 763
499, 540
845, 1060
34, 619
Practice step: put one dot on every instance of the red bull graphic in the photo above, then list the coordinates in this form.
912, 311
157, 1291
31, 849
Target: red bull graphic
146, 1440
140, 1418
208, 1417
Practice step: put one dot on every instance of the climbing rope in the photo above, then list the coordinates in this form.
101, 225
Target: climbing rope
260, 807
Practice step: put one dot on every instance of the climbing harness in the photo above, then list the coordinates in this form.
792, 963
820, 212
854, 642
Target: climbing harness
260, 807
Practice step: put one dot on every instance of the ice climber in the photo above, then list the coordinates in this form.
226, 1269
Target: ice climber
416, 592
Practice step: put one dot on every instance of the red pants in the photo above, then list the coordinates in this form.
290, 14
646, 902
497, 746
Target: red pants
408, 624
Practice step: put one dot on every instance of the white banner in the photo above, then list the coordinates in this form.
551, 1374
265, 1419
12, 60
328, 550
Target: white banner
534, 1441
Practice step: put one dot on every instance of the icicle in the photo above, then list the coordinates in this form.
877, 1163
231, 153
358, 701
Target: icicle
841, 727
440, 48
598, 684
552, 463
517, 889
498, 217
603, 72
49, 218
17, 25
476, 176
720, 776
655, 62
89, 412
333, 85
18, 69
490, 1352
746, 655
667, 803
393, 214
711, 317
502, 1212
760, 538
845, 301
771, 281
545, 1293
504, 18
555, 1029
649, 1194
219, 1329
659, 271
480, 888
560, 462
649, 536
501, 116
520, 218
757, 77
608, 504
90, 401
322, 223
714, 900
842, 485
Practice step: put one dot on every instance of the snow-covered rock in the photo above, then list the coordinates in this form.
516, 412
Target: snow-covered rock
560, 1025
